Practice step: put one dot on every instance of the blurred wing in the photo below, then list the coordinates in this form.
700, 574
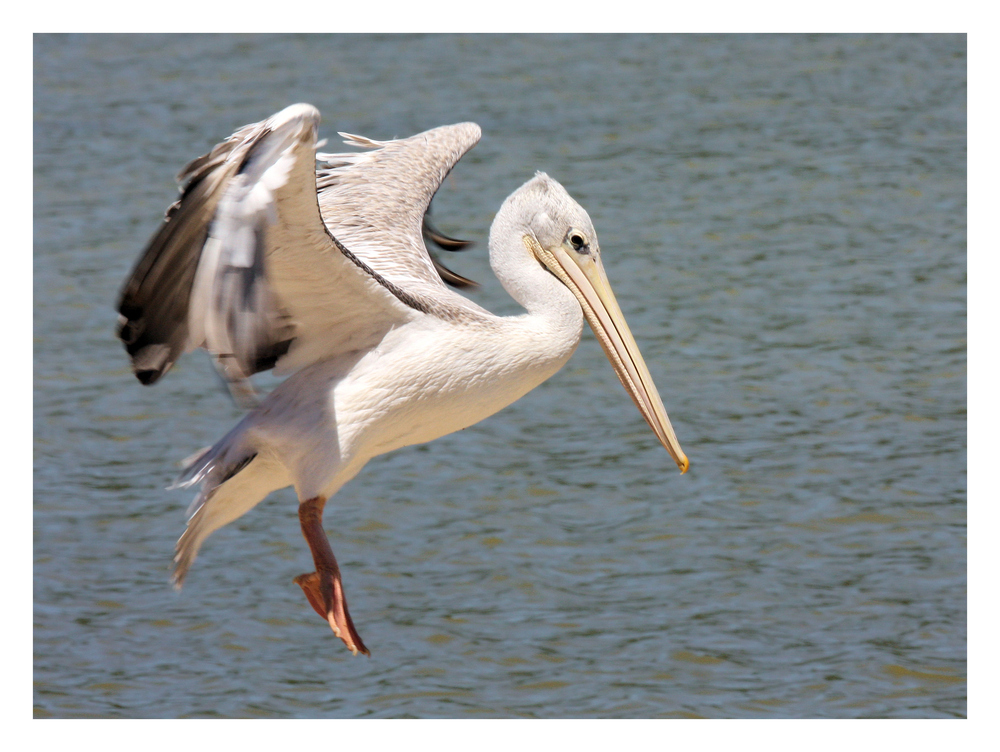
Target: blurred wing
153, 304
245, 267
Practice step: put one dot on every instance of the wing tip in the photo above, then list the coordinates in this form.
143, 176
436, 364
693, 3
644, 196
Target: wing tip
468, 133
302, 111
465, 134
473, 129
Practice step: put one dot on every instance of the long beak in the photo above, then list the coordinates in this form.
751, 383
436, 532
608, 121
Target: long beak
584, 276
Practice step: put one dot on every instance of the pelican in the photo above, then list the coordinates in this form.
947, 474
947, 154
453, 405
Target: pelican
322, 274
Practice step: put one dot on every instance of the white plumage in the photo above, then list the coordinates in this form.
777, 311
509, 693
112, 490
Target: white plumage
324, 275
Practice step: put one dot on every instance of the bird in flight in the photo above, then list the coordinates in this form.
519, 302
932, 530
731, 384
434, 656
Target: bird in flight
315, 265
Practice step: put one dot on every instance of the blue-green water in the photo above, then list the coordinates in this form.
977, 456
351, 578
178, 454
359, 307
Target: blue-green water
783, 220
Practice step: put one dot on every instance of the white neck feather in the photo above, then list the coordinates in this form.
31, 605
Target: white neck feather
543, 339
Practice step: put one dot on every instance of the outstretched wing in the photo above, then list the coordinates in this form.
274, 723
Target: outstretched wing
376, 203
153, 304
245, 266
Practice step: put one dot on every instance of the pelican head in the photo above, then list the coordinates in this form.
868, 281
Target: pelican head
557, 232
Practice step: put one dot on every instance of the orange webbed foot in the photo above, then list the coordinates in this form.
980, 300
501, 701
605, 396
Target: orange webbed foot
325, 593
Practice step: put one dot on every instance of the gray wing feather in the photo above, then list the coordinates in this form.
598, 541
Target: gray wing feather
437, 238
162, 304
246, 266
375, 202
153, 304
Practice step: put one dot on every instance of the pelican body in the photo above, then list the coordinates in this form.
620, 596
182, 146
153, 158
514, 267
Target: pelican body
322, 274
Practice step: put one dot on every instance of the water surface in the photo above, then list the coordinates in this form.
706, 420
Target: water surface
783, 219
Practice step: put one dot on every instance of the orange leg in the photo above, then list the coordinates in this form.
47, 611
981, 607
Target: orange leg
323, 587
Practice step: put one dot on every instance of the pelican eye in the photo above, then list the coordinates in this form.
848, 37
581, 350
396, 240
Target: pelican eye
578, 241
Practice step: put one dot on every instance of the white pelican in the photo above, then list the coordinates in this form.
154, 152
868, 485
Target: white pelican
267, 262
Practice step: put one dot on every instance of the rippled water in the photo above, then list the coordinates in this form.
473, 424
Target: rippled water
783, 219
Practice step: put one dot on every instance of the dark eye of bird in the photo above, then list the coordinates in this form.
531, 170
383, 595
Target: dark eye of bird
577, 241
